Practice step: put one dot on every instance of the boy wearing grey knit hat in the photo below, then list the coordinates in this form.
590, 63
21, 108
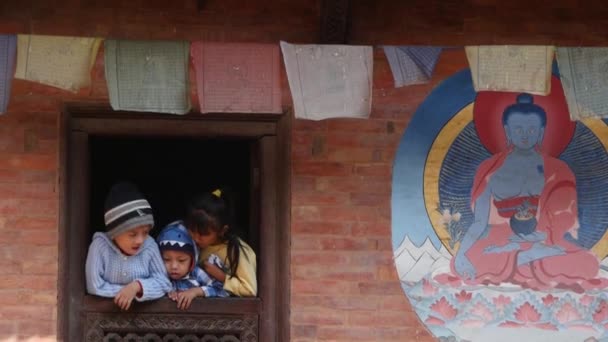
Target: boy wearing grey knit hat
124, 263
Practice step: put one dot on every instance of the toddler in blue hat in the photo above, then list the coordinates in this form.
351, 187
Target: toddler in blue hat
180, 255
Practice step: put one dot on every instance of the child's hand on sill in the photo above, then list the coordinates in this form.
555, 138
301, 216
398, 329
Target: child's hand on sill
125, 297
184, 298
172, 295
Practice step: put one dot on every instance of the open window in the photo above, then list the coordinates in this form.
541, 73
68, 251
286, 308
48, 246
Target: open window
171, 158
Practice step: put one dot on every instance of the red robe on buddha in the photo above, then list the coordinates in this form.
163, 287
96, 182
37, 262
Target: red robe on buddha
556, 212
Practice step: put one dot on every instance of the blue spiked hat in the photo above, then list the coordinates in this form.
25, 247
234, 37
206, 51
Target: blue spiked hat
175, 237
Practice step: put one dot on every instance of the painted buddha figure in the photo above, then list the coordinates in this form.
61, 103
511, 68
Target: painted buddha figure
524, 204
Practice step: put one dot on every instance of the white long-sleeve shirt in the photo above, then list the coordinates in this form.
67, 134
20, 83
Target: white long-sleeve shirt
108, 270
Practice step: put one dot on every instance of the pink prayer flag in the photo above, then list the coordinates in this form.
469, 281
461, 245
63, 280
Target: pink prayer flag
243, 78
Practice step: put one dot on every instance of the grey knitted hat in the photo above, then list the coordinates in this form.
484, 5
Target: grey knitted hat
125, 209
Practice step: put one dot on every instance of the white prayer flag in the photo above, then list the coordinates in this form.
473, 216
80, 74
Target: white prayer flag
329, 81
584, 76
511, 68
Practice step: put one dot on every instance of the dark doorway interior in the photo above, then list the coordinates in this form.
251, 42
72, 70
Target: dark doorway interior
168, 171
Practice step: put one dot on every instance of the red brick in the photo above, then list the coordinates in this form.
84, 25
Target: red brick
378, 319
321, 228
396, 333
314, 168
27, 297
355, 155
318, 258
356, 125
347, 333
342, 273
385, 245
9, 206
372, 229
309, 125
396, 303
307, 331
37, 329
9, 237
337, 213
344, 302
27, 191
27, 162
303, 183
29, 312
360, 184
33, 103
380, 288
33, 223
302, 153
16, 251
11, 139
10, 267
38, 207
8, 330
319, 197
27, 176
47, 237
304, 213
369, 199
31, 282
40, 267
306, 243
368, 213
318, 317
382, 170
347, 244
323, 287
387, 273
340, 139
373, 258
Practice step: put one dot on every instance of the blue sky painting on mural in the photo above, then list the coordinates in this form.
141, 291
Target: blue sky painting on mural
408, 207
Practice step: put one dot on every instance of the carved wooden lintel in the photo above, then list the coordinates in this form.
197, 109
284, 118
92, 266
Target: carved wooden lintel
112, 327
335, 21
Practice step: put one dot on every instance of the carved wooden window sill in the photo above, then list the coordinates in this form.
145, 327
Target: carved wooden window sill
207, 320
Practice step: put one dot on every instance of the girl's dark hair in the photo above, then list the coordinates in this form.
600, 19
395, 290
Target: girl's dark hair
211, 211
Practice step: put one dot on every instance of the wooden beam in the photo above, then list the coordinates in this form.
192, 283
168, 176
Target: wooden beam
165, 305
335, 21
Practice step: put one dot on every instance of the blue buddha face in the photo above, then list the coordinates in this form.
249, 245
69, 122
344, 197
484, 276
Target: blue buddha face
524, 131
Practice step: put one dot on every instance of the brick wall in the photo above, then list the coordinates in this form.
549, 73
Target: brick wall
28, 214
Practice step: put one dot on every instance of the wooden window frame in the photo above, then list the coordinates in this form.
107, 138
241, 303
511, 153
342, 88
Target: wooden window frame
271, 133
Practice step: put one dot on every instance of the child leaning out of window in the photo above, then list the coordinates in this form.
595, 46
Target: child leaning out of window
124, 262
180, 254
208, 220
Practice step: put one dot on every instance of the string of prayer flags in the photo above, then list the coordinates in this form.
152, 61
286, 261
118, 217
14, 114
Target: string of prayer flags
234, 77
511, 68
412, 64
148, 76
62, 62
329, 81
584, 76
8, 52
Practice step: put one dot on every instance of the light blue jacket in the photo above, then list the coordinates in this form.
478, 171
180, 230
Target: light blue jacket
108, 270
